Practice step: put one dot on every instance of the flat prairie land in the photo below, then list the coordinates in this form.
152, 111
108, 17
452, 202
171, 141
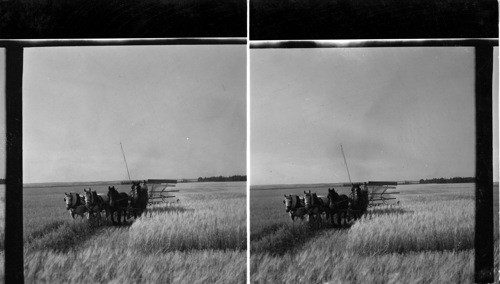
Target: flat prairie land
428, 238
202, 238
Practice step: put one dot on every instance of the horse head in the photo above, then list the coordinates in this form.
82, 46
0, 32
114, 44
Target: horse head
308, 199
288, 202
95, 197
316, 200
294, 206
68, 198
333, 197
112, 195
88, 196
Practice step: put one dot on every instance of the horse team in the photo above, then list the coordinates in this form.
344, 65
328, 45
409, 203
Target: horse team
332, 205
94, 204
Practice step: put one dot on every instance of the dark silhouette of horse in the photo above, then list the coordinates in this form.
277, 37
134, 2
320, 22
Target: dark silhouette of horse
118, 202
359, 202
139, 199
339, 205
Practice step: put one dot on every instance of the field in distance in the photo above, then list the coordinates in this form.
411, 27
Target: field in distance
202, 238
428, 238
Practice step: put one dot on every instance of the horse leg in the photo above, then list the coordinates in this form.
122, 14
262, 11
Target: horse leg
112, 216
314, 220
98, 217
120, 213
106, 211
118, 216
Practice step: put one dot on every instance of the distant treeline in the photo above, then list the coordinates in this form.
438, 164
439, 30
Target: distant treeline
449, 180
221, 178
130, 181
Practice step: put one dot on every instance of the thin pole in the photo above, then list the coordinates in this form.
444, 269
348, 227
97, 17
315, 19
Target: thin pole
345, 161
123, 152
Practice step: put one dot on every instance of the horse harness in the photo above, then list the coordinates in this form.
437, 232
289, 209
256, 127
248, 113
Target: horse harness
93, 203
75, 200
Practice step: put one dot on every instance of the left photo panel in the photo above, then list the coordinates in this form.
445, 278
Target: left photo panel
134, 163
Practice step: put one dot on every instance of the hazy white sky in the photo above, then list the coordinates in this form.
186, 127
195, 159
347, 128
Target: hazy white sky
400, 113
180, 112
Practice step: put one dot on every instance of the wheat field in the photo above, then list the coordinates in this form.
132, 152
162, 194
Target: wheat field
429, 238
200, 239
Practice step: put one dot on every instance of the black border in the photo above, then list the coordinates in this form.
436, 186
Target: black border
69, 19
14, 172
373, 19
484, 232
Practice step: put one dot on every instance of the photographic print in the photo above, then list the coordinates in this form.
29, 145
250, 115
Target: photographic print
134, 164
363, 164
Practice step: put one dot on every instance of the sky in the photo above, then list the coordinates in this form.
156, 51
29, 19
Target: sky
399, 113
179, 112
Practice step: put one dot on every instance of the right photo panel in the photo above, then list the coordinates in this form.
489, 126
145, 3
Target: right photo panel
363, 164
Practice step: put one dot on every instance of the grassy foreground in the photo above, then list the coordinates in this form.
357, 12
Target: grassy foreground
200, 239
429, 238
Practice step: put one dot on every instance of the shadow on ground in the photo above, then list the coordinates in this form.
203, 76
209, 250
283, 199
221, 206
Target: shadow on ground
148, 214
60, 236
63, 235
283, 238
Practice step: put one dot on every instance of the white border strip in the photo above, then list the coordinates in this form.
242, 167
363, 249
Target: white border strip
373, 42
248, 143
122, 41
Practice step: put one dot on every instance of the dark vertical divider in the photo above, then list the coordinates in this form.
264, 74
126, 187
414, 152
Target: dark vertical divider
484, 166
14, 171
